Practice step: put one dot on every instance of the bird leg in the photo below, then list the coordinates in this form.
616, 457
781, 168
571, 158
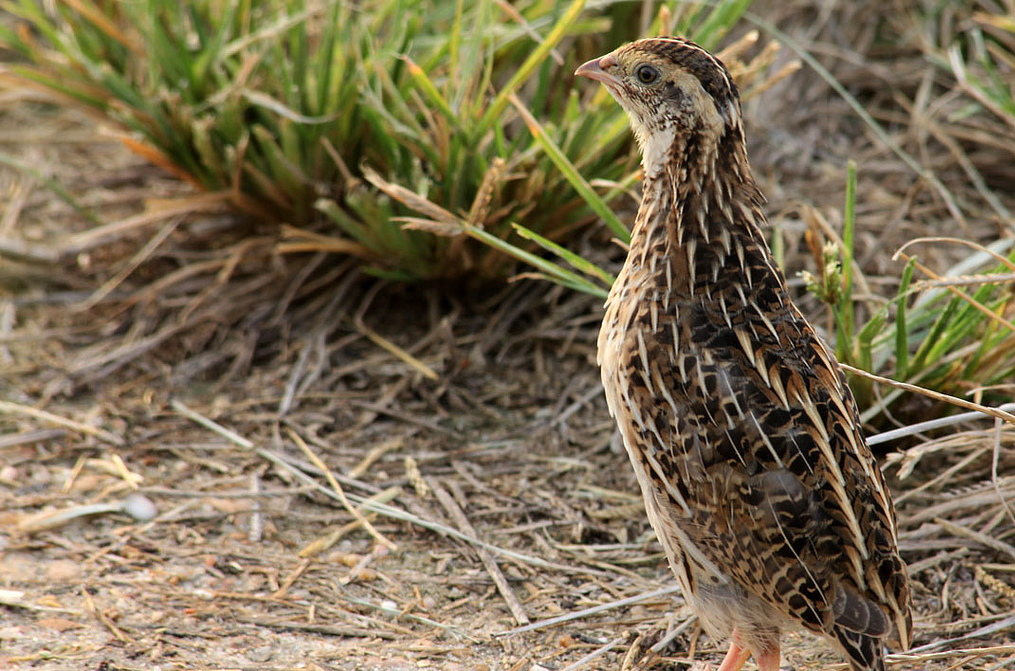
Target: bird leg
768, 660
736, 656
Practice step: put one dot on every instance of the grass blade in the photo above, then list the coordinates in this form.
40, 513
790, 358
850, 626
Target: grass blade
571, 174
531, 63
574, 260
901, 334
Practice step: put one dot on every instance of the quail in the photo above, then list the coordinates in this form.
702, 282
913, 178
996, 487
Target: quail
744, 436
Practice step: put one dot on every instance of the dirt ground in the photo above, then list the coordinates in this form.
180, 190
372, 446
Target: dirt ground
259, 399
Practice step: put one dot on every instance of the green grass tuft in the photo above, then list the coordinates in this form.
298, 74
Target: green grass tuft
281, 104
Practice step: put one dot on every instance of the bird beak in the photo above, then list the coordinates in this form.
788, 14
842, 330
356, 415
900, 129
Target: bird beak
597, 69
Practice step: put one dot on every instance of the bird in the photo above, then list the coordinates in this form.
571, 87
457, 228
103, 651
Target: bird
744, 436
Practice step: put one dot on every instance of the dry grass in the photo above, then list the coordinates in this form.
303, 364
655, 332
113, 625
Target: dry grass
239, 386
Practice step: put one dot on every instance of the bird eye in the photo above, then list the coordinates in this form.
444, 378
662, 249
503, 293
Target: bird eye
646, 74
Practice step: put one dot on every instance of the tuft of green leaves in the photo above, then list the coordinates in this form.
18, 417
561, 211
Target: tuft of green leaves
567, 148
280, 104
982, 58
948, 339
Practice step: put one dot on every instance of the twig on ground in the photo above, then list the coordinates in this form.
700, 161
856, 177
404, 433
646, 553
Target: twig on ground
293, 576
982, 539
465, 525
931, 424
8, 407
577, 615
104, 619
598, 652
326, 629
937, 396
374, 454
322, 544
405, 516
340, 493
996, 455
994, 628
256, 531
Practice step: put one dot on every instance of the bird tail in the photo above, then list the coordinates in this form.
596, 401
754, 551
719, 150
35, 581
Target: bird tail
866, 653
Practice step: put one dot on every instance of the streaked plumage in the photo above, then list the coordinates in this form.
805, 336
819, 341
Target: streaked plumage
744, 436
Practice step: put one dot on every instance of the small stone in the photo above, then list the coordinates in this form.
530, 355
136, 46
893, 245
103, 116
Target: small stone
140, 507
63, 570
260, 654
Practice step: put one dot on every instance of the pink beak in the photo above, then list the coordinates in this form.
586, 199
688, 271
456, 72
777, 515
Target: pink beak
597, 69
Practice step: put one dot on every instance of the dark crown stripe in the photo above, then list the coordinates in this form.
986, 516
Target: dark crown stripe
710, 71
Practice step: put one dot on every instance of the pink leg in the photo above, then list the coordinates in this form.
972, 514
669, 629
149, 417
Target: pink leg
736, 656
769, 660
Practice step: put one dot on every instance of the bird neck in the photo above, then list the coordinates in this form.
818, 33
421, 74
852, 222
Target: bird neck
700, 211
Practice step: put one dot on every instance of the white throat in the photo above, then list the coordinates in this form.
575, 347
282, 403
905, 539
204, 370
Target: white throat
656, 148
